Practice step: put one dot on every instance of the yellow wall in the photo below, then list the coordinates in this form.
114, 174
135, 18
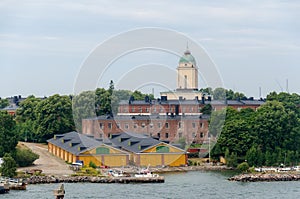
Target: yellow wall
172, 149
175, 160
109, 160
154, 159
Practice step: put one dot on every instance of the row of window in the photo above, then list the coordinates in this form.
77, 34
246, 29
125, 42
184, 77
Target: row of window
126, 125
160, 110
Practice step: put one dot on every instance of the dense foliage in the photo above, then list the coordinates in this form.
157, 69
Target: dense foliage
8, 135
8, 167
25, 157
268, 136
3, 103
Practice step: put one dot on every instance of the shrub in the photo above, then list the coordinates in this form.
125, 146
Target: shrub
92, 164
243, 167
25, 157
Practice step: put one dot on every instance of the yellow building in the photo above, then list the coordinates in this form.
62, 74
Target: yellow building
146, 151
73, 146
117, 151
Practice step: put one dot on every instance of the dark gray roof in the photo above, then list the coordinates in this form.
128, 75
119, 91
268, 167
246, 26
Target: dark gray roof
194, 102
80, 142
133, 142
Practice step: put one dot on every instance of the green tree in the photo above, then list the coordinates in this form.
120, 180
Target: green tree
103, 101
4, 103
251, 156
9, 166
8, 136
53, 116
232, 161
243, 167
26, 109
84, 106
219, 94
206, 109
274, 125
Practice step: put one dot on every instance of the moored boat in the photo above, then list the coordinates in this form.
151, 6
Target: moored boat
4, 188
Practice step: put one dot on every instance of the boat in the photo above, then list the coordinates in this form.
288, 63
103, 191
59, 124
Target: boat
13, 184
19, 185
146, 173
4, 188
115, 173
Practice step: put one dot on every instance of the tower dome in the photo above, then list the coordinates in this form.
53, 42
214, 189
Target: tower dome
187, 58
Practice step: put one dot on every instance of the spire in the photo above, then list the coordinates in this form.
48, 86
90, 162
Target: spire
187, 52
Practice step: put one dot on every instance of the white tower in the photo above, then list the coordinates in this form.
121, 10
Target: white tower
187, 72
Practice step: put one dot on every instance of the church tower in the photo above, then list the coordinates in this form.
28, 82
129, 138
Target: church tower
187, 72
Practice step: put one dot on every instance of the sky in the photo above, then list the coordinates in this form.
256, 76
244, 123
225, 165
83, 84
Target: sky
43, 44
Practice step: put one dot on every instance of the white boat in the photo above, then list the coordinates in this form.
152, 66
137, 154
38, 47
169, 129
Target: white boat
115, 173
146, 173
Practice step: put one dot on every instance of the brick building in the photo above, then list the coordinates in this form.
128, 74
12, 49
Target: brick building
177, 114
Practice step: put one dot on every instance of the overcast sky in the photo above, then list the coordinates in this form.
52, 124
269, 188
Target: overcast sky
44, 43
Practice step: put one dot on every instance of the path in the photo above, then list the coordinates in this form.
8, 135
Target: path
47, 162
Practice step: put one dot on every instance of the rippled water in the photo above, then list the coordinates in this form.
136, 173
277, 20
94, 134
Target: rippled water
177, 185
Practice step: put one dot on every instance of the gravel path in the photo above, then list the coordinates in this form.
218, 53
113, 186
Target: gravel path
48, 163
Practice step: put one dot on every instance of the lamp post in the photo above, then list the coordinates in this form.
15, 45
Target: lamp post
209, 149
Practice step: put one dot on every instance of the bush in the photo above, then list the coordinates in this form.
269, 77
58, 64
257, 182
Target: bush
243, 167
25, 157
92, 164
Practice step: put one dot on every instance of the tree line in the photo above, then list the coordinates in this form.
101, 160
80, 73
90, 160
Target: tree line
269, 136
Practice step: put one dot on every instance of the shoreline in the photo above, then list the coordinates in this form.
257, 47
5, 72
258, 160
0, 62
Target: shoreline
266, 177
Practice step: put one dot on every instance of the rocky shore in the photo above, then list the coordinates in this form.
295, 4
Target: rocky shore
90, 179
266, 177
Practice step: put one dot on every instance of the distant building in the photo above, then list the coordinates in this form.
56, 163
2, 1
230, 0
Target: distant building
176, 115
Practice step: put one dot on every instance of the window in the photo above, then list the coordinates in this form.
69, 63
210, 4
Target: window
140, 109
132, 109
194, 135
154, 110
102, 150
101, 126
147, 110
110, 125
201, 125
179, 125
100, 135
158, 135
162, 149
180, 135
161, 109
126, 126
201, 135
135, 125
167, 125
143, 125
194, 125
167, 135
151, 125
158, 124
